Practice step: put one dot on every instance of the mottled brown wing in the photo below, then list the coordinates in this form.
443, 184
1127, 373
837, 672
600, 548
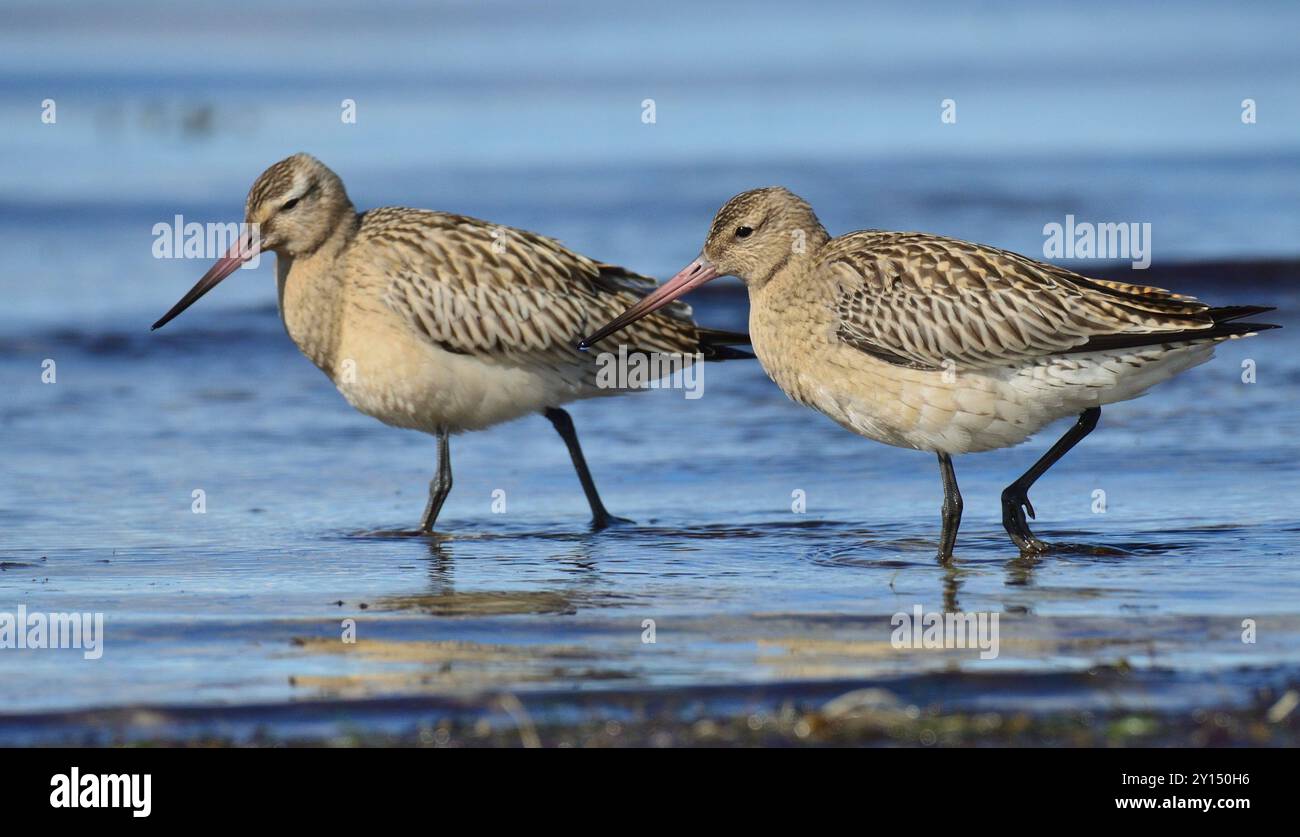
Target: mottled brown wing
476, 288
921, 300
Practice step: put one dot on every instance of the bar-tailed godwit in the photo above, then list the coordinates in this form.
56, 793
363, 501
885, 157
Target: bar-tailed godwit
941, 345
443, 323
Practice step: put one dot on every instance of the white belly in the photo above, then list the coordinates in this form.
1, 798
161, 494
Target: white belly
421, 387
386, 369
968, 411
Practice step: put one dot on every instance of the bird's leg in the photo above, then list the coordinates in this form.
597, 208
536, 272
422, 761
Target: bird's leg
1015, 499
440, 485
951, 511
600, 518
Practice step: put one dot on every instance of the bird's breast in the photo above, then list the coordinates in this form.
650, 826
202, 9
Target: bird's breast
924, 409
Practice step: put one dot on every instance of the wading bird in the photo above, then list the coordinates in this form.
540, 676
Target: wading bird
941, 345
442, 323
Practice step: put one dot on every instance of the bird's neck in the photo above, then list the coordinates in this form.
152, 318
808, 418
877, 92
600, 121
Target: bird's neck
312, 289
787, 321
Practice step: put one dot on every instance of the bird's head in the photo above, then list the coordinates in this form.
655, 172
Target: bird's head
753, 236
758, 232
293, 208
296, 205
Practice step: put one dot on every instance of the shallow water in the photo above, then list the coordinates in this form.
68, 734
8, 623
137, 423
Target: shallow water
305, 499
241, 607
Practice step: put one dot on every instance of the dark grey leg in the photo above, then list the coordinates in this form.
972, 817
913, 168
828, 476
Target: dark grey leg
440, 485
951, 511
1015, 499
600, 518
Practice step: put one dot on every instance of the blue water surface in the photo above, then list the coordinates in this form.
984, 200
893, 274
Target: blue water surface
770, 546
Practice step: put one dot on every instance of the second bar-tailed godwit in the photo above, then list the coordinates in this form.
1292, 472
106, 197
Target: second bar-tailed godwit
941, 345
443, 323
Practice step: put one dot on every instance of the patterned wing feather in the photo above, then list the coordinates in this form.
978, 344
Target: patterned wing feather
476, 288
923, 301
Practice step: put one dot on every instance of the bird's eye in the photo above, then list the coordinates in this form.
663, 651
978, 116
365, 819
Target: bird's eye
744, 232
290, 204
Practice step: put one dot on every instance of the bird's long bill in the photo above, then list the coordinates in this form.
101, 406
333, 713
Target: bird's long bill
687, 279
244, 248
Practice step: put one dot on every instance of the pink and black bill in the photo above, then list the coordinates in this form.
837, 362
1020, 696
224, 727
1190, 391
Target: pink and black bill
687, 279
245, 248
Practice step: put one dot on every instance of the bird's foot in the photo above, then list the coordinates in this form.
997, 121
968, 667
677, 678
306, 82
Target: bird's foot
1095, 550
1032, 546
401, 533
951, 515
605, 520
1015, 503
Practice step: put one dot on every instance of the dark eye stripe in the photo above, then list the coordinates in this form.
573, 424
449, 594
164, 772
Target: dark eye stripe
292, 202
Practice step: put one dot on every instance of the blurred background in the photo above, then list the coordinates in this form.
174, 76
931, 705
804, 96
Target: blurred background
538, 115
531, 114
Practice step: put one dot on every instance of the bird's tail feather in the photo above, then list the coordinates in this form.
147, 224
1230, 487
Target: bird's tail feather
1236, 312
1224, 326
1226, 320
716, 344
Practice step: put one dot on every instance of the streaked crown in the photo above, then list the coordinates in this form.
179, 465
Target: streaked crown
297, 204
758, 232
